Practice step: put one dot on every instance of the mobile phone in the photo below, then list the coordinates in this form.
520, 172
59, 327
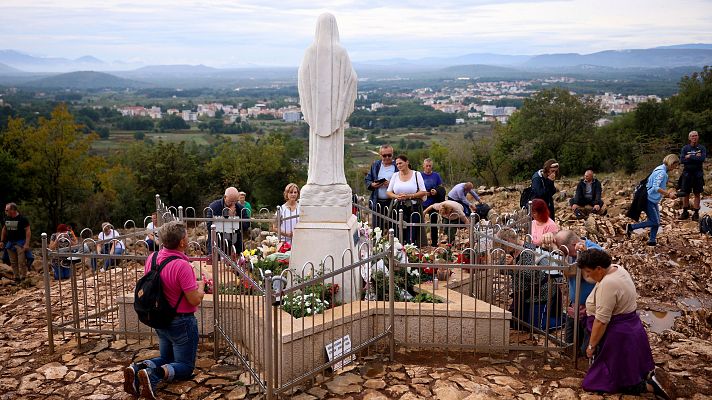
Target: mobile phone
381, 180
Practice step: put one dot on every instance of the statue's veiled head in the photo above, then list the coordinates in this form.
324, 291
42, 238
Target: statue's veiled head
326, 29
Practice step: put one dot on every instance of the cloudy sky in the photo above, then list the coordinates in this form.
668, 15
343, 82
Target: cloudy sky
241, 32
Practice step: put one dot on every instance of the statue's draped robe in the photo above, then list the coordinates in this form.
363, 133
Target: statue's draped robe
327, 91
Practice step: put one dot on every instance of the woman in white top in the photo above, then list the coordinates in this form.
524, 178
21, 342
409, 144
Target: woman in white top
289, 209
112, 246
407, 190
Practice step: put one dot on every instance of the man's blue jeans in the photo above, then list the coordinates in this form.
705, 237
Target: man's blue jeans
653, 221
178, 346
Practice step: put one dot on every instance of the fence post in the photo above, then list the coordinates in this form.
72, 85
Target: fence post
268, 334
159, 215
576, 314
529, 217
216, 291
279, 223
48, 301
391, 291
180, 213
401, 226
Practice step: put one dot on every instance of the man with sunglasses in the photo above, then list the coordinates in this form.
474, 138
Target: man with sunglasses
377, 181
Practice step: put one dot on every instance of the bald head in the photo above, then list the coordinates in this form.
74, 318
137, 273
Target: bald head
567, 239
232, 195
588, 176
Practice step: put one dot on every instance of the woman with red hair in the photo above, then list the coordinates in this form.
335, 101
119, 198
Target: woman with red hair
541, 222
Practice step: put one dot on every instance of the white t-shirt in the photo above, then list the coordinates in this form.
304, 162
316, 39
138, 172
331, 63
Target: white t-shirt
287, 226
413, 185
149, 228
113, 234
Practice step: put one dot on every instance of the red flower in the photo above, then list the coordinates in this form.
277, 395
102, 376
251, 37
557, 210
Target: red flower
428, 271
285, 247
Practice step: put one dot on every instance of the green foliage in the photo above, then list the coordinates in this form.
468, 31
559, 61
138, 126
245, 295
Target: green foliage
169, 169
311, 300
172, 123
11, 179
640, 139
139, 135
425, 297
135, 123
103, 132
259, 167
403, 116
551, 124
53, 161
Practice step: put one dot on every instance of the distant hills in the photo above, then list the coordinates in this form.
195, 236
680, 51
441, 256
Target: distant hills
17, 68
86, 80
29, 63
647, 58
8, 69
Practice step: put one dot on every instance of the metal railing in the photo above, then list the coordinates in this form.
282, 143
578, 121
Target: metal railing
493, 295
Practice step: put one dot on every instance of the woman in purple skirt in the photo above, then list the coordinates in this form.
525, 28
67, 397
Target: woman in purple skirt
619, 347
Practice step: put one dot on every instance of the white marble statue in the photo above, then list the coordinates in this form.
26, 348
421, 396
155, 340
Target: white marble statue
327, 91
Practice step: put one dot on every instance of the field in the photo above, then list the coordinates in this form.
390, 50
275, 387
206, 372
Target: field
362, 144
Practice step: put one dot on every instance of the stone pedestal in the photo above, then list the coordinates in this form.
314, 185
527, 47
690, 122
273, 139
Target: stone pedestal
329, 242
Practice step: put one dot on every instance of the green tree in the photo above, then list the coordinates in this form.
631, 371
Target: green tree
171, 170
552, 124
172, 123
692, 106
260, 167
53, 158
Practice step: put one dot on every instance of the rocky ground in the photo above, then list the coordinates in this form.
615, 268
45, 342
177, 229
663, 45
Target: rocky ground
674, 282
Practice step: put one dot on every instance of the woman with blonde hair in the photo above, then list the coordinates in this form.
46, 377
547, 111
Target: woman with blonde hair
656, 185
288, 210
451, 212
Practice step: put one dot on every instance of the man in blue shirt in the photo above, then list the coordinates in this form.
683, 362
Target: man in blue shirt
433, 184
692, 179
459, 194
377, 181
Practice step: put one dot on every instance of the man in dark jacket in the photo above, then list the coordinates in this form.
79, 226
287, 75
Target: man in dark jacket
228, 207
588, 197
692, 179
377, 181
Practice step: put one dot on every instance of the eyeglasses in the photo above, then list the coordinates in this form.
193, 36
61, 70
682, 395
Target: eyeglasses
387, 155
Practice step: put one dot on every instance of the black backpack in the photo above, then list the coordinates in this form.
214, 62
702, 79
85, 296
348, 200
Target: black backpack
706, 224
640, 200
150, 304
525, 197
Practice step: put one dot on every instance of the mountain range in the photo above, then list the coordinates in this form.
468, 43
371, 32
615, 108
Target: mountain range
17, 68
